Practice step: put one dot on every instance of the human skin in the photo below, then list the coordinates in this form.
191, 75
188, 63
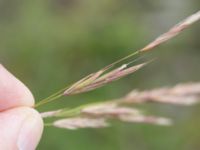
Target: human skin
21, 126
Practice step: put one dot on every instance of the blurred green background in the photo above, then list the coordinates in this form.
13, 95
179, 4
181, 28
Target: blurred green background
49, 44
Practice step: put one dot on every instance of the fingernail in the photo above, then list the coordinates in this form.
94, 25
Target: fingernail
30, 133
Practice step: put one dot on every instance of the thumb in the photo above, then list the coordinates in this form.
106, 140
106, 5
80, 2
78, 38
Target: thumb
20, 129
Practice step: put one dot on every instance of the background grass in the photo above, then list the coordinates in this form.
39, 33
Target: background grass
51, 43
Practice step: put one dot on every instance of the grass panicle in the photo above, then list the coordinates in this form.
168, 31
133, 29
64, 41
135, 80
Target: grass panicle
98, 115
121, 110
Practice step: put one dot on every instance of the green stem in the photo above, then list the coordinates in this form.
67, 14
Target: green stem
48, 124
48, 100
51, 97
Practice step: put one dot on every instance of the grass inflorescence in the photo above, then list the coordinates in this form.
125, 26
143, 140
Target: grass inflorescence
96, 115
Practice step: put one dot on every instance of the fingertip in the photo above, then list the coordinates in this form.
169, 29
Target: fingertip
21, 128
30, 132
13, 93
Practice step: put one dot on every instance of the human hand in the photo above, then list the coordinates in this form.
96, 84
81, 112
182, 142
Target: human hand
20, 125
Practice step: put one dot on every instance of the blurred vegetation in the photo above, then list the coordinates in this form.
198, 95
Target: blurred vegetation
49, 44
